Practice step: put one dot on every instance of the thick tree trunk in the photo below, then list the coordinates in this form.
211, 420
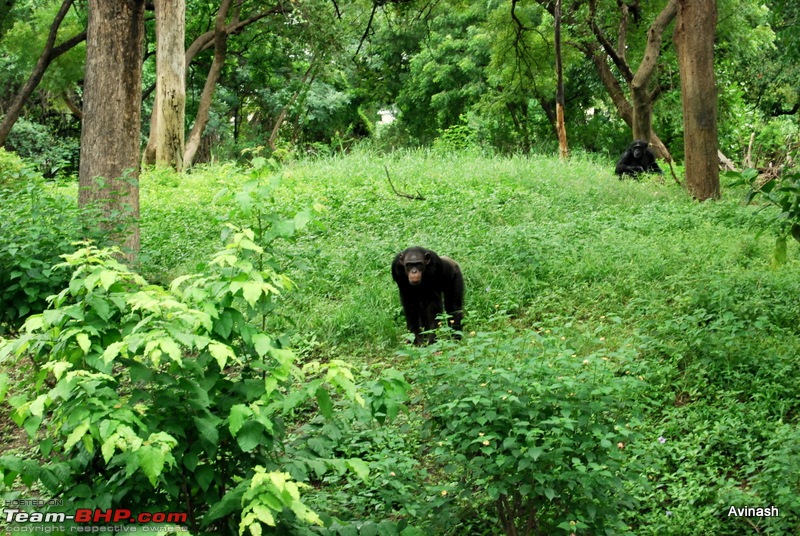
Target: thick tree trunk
694, 40
170, 83
112, 94
204, 108
49, 53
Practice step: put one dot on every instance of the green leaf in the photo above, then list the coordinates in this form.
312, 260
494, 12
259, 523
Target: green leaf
250, 436
204, 475
222, 353
224, 324
171, 348
207, 426
76, 435
3, 386
238, 415
108, 278
779, 255
264, 514
151, 461
112, 351
108, 447
359, 467
230, 503
252, 291
325, 402
83, 341
262, 344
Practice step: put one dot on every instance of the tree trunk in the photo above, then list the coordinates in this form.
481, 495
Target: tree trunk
170, 103
639, 114
561, 127
640, 85
112, 97
49, 53
694, 41
204, 108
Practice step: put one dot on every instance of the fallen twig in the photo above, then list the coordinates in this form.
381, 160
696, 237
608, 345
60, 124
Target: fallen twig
417, 197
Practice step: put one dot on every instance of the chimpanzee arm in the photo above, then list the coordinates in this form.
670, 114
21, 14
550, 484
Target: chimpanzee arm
652, 167
454, 293
628, 164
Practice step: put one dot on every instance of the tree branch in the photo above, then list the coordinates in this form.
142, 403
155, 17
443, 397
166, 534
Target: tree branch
49, 53
417, 197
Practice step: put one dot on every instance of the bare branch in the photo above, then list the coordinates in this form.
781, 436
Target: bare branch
417, 197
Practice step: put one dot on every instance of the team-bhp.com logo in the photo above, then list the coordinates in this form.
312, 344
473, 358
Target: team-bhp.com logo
15, 516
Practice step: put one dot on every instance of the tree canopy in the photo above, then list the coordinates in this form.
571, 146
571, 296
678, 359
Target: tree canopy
313, 75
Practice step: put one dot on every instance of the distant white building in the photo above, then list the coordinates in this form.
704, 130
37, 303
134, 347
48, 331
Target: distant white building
387, 116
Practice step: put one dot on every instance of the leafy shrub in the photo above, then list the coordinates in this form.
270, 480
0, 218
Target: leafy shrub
37, 227
14, 172
52, 154
148, 395
540, 430
456, 138
782, 193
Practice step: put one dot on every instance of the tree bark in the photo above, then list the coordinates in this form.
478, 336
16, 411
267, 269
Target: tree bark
637, 115
49, 53
112, 115
204, 108
167, 128
640, 90
561, 127
617, 94
694, 41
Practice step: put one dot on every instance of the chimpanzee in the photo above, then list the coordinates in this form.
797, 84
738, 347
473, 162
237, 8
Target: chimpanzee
424, 278
637, 158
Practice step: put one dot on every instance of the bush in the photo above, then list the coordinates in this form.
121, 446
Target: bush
37, 228
148, 395
52, 154
782, 193
542, 432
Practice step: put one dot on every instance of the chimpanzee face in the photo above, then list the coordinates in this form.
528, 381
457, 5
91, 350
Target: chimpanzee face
414, 264
638, 150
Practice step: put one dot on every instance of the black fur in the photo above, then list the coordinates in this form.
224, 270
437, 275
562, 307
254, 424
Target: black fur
637, 158
424, 279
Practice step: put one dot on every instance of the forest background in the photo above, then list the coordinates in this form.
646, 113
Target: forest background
629, 356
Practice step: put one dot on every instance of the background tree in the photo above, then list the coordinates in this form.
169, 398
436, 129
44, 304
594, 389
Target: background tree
112, 111
167, 126
694, 39
637, 112
560, 126
48, 54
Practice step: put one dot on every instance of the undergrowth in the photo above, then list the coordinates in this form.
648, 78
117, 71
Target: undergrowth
645, 335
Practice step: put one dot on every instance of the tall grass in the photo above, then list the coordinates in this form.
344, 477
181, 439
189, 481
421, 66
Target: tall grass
548, 244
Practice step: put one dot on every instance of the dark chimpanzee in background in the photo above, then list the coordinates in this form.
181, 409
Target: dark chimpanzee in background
424, 278
637, 158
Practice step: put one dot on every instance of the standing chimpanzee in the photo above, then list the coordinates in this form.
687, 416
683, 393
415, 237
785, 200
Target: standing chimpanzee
424, 278
637, 158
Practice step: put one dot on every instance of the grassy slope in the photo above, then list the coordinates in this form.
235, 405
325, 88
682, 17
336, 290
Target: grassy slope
554, 244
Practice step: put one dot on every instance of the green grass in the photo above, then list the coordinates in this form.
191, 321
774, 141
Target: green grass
686, 287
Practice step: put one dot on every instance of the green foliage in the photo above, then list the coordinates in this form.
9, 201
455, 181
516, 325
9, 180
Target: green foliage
53, 154
542, 431
455, 138
37, 226
782, 193
14, 172
680, 295
146, 395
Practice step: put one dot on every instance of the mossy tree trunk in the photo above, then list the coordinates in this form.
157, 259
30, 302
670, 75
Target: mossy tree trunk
112, 95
